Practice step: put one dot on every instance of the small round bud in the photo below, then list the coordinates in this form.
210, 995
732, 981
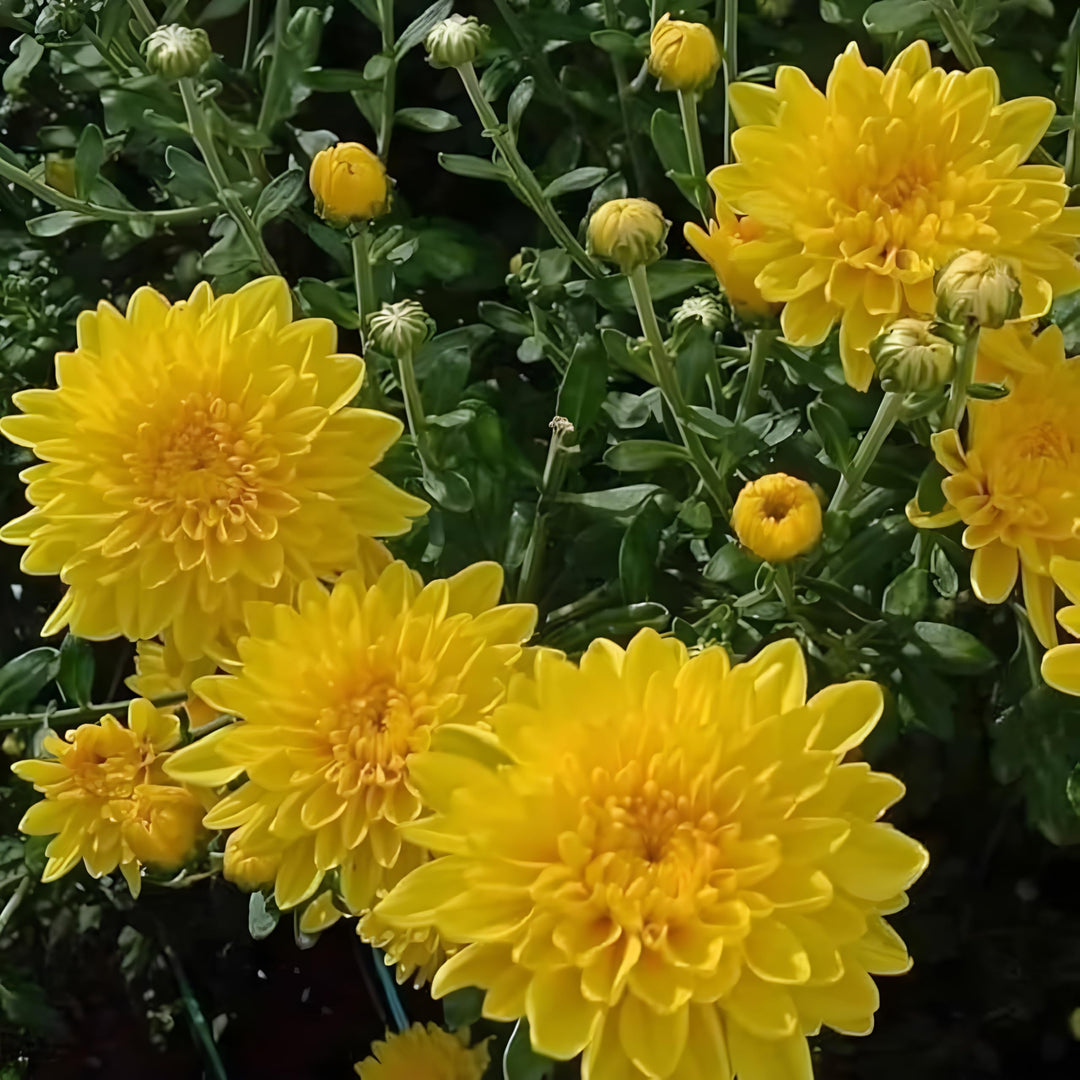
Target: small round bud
776, 10
517, 263
704, 309
911, 358
683, 55
628, 232
400, 329
349, 184
978, 288
777, 517
177, 52
455, 41
69, 15
60, 173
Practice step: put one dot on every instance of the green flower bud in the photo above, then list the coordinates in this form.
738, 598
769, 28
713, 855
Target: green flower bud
980, 289
911, 358
628, 232
177, 52
455, 41
704, 309
777, 10
400, 329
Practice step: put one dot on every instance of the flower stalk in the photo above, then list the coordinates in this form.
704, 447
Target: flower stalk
755, 372
965, 371
550, 484
389, 81
63, 718
366, 300
688, 110
850, 481
731, 68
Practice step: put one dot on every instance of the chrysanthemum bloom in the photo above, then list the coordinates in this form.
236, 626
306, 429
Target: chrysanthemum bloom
683, 55
108, 800
874, 185
349, 183
196, 456
160, 671
675, 871
736, 248
424, 1052
1016, 486
336, 696
1061, 664
777, 517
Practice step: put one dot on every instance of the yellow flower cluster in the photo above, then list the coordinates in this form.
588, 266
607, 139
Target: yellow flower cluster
424, 1052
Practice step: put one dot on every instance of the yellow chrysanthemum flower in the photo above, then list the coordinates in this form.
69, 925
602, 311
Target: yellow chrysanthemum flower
336, 696
196, 456
161, 671
674, 871
1061, 664
1016, 486
868, 189
424, 1052
683, 55
108, 800
777, 517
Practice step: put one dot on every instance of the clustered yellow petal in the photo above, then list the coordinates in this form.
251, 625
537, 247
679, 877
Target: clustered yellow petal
1014, 481
195, 456
865, 191
161, 672
675, 871
777, 517
1061, 664
424, 1052
108, 800
336, 695
349, 183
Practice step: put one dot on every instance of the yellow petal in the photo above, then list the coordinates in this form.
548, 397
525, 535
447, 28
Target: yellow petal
994, 570
1061, 668
754, 1058
561, 1021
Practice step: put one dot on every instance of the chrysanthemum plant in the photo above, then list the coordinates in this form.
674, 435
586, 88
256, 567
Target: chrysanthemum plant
712, 458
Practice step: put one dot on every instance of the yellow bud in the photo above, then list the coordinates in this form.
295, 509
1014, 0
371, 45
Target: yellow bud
628, 232
910, 357
349, 184
517, 262
777, 517
683, 55
249, 869
60, 173
978, 288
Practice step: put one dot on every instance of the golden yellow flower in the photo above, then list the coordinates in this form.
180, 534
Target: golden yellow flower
1010, 350
736, 248
675, 871
424, 1052
628, 232
683, 55
777, 517
161, 671
349, 183
1061, 664
1016, 485
336, 696
871, 187
108, 800
196, 456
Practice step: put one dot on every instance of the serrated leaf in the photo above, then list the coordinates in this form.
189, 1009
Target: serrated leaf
278, 196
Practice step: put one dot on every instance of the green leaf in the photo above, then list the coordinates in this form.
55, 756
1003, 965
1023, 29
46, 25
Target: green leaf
667, 279
611, 501
421, 119
76, 671
616, 623
907, 594
954, 649
832, 429
463, 1007
278, 196
981, 391
929, 497
89, 157
507, 319
519, 101
449, 489
336, 80
190, 178
639, 552
22, 679
326, 301
221, 9
576, 180
670, 142
476, 168
263, 916
896, 16
421, 26
520, 1061
617, 43
643, 454
584, 386
286, 84
28, 51
58, 222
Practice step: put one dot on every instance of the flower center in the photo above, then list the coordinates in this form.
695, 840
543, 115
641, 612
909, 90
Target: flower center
1044, 442
112, 778
776, 505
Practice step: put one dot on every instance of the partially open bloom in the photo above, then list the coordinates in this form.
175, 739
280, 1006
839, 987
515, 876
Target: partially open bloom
108, 800
349, 183
1016, 483
628, 232
1061, 664
871, 187
177, 52
979, 289
424, 1052
161, 671
736, 248
336, 696
683, 55
196, 456
777, 517
674, 870
910, 357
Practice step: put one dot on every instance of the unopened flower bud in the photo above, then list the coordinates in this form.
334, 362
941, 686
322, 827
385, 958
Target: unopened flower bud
349, 184
177, 52
911, 358
400, 329
628, 232
777, 517
978, 288
683, 55
704, 309
776, 10
60, 173
456, 40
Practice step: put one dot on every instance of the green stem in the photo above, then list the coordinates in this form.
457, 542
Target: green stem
550, 484
965, 371
16, 898
695, 151
1072, 165
195, 1014
390, 990
755, 372
70, 717
414, 403
251, 34
366, 301
668, 381
523, 175
622, 91
386, 120
277, 54
188, 215
731, 68
957, 33
143, 16
785, 589
887, 415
